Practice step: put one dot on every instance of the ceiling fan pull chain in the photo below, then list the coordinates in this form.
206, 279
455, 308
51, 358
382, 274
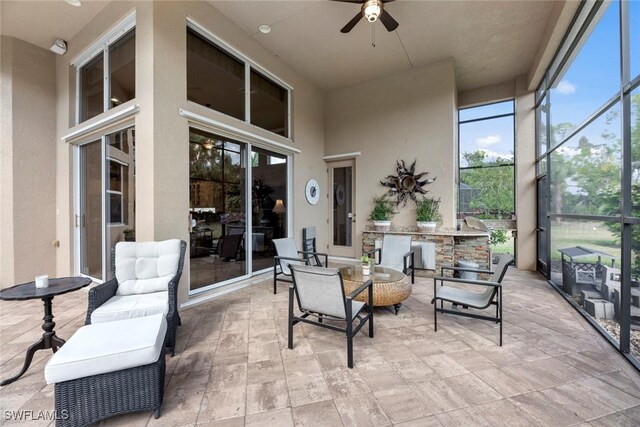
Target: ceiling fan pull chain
373, 35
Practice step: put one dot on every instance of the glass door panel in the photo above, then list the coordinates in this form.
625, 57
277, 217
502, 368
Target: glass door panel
120, 189
90, 216
342, 215
218, 201
269, 205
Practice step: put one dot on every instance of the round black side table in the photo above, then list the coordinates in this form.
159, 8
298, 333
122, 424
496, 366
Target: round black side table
27, 291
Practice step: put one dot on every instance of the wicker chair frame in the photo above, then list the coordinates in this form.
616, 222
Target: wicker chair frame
103, 292
88, 400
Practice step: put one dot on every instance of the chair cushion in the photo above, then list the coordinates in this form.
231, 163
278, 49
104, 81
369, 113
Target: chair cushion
144, 267
108, 347
122, 307
464, 297
394, 248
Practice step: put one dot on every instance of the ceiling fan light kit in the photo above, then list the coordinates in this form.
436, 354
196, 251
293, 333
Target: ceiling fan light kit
371, 10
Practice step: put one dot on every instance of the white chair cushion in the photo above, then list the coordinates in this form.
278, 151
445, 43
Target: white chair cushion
108, 347
144, 267
122, 307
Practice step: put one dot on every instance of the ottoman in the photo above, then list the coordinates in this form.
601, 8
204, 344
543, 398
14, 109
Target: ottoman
108, 369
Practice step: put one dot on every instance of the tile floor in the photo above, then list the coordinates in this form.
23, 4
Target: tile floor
232, 367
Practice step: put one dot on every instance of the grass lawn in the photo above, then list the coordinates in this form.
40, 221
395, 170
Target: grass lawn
592, 235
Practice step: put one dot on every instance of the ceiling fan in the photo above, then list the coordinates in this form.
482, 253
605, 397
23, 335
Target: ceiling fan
371, 10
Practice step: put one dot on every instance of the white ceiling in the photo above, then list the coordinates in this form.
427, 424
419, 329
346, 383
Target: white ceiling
41, 22
490, 41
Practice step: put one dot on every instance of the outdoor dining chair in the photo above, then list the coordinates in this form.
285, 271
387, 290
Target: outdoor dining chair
320, 294
287, 253
490, 295
396, 253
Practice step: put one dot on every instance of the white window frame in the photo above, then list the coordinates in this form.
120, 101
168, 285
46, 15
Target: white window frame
102, 45
118, 192
248, 65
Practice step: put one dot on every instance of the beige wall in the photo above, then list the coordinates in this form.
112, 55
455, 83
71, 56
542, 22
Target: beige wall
526, 199
407, 116
27, 162
484, 95
162, 175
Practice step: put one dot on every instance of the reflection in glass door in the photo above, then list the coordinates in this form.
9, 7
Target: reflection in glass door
218, 202
89, 219
342, 215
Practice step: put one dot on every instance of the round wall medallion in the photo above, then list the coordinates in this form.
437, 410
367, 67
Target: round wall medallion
312, 191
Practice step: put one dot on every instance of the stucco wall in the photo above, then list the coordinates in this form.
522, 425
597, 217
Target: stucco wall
407, 116
27, 162
162, 175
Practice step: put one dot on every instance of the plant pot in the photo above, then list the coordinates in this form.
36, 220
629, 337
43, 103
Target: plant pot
366, 269
426, 227
130, 237
382, 225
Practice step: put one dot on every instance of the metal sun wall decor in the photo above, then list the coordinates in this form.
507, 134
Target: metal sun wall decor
406, 184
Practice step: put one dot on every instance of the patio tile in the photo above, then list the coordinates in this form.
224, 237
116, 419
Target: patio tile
345, 382
401, 404
267, 396
306, 389
277, 418
232, 366
225, 403
312, 413
361, 410
381, 377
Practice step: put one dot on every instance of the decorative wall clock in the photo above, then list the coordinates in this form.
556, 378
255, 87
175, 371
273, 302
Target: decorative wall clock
312, 191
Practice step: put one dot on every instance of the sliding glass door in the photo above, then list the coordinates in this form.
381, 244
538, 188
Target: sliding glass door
235, 211
89, 220
106, 202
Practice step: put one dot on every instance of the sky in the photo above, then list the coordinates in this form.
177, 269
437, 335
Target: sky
588, 82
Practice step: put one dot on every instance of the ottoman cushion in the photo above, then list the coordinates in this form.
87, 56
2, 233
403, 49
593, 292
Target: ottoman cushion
108, 347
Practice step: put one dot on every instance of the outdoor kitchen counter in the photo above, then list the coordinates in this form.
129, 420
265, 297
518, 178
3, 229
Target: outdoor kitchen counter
451, 245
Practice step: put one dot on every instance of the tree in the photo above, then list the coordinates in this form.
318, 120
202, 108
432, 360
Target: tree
492, 182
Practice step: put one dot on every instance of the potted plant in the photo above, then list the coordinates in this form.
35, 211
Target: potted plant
129, 235
382, 213
366, 265
428, 214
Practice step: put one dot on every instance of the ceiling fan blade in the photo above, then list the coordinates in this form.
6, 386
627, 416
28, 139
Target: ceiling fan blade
389, 23
351, 23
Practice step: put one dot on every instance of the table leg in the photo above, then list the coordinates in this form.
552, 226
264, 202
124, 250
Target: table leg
40, 345
49, 340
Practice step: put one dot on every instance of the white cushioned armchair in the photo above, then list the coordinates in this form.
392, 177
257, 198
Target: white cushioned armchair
146, 281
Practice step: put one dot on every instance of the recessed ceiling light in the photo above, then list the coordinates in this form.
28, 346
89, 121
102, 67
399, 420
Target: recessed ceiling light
74, 2
264, 29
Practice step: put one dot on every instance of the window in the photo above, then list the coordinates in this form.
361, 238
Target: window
215, 79
220, 78
269, 104
584, 172
486, 147
100, 91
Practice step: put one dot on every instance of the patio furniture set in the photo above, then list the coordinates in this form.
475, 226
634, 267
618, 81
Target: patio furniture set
115, 364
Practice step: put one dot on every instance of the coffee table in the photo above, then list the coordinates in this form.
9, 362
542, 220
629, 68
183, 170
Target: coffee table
28, 291
390, 287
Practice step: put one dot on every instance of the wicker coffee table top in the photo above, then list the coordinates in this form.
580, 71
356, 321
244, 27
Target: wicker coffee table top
390, 287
